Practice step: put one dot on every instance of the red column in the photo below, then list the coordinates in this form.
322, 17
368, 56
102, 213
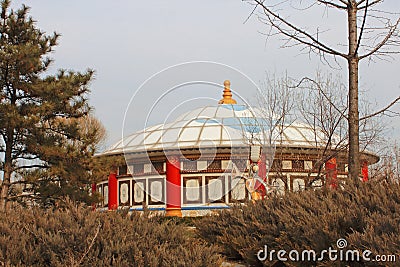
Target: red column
112, 191
364, 171
173, 184
331, 173
262, 172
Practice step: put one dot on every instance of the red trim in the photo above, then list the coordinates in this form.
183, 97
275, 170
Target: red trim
112, 191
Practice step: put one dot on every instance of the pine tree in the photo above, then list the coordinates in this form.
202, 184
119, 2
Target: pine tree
42, 142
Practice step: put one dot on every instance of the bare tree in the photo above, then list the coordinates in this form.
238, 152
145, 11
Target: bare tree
276, 104
322, 106
388, 169
371, 33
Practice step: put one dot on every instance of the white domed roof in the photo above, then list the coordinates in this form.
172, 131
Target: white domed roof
224, 125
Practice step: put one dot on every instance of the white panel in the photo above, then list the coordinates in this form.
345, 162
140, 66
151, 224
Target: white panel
156, 191
226, 135
211, 133
105, 196
286, 164
138, 192
317, 184
226, 164
189, 134
308, 165
294, 135
192, 190
215, 189
239, 191
147, 168
152, 137
201, 165
170, 135
298, 185
279, 186
124, 193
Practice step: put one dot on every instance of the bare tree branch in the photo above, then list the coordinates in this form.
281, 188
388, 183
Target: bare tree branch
328, 3
362, 29
383, 42
299, 35
368, 5
323, 93
382, 110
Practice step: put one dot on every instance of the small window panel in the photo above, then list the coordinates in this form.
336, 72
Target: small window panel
238, 191
157, 191
139, 191
298, 185
286, 164
124, 193
215, 189
192, 190
308, 165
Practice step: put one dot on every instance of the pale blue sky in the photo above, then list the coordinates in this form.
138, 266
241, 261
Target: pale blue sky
128, 41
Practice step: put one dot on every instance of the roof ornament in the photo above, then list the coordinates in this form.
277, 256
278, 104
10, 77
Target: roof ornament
227, 95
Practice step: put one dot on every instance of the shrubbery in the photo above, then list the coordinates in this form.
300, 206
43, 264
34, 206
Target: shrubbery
366, 215
75, 235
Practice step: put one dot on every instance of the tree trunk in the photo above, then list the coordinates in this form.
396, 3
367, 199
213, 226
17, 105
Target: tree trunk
354, 159
7, 170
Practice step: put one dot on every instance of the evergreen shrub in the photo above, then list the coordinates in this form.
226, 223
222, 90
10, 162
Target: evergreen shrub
366, 215
75, 235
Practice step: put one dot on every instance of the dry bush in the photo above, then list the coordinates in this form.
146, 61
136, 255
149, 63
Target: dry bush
366, 215
75, 235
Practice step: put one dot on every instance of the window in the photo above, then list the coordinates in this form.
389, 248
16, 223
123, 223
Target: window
238, 191
192, 190
278, 186
157, 189
139, 191
215, 188
124, 193
105, 195
298, 185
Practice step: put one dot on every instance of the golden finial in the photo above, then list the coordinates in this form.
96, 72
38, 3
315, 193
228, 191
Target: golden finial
227, 95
